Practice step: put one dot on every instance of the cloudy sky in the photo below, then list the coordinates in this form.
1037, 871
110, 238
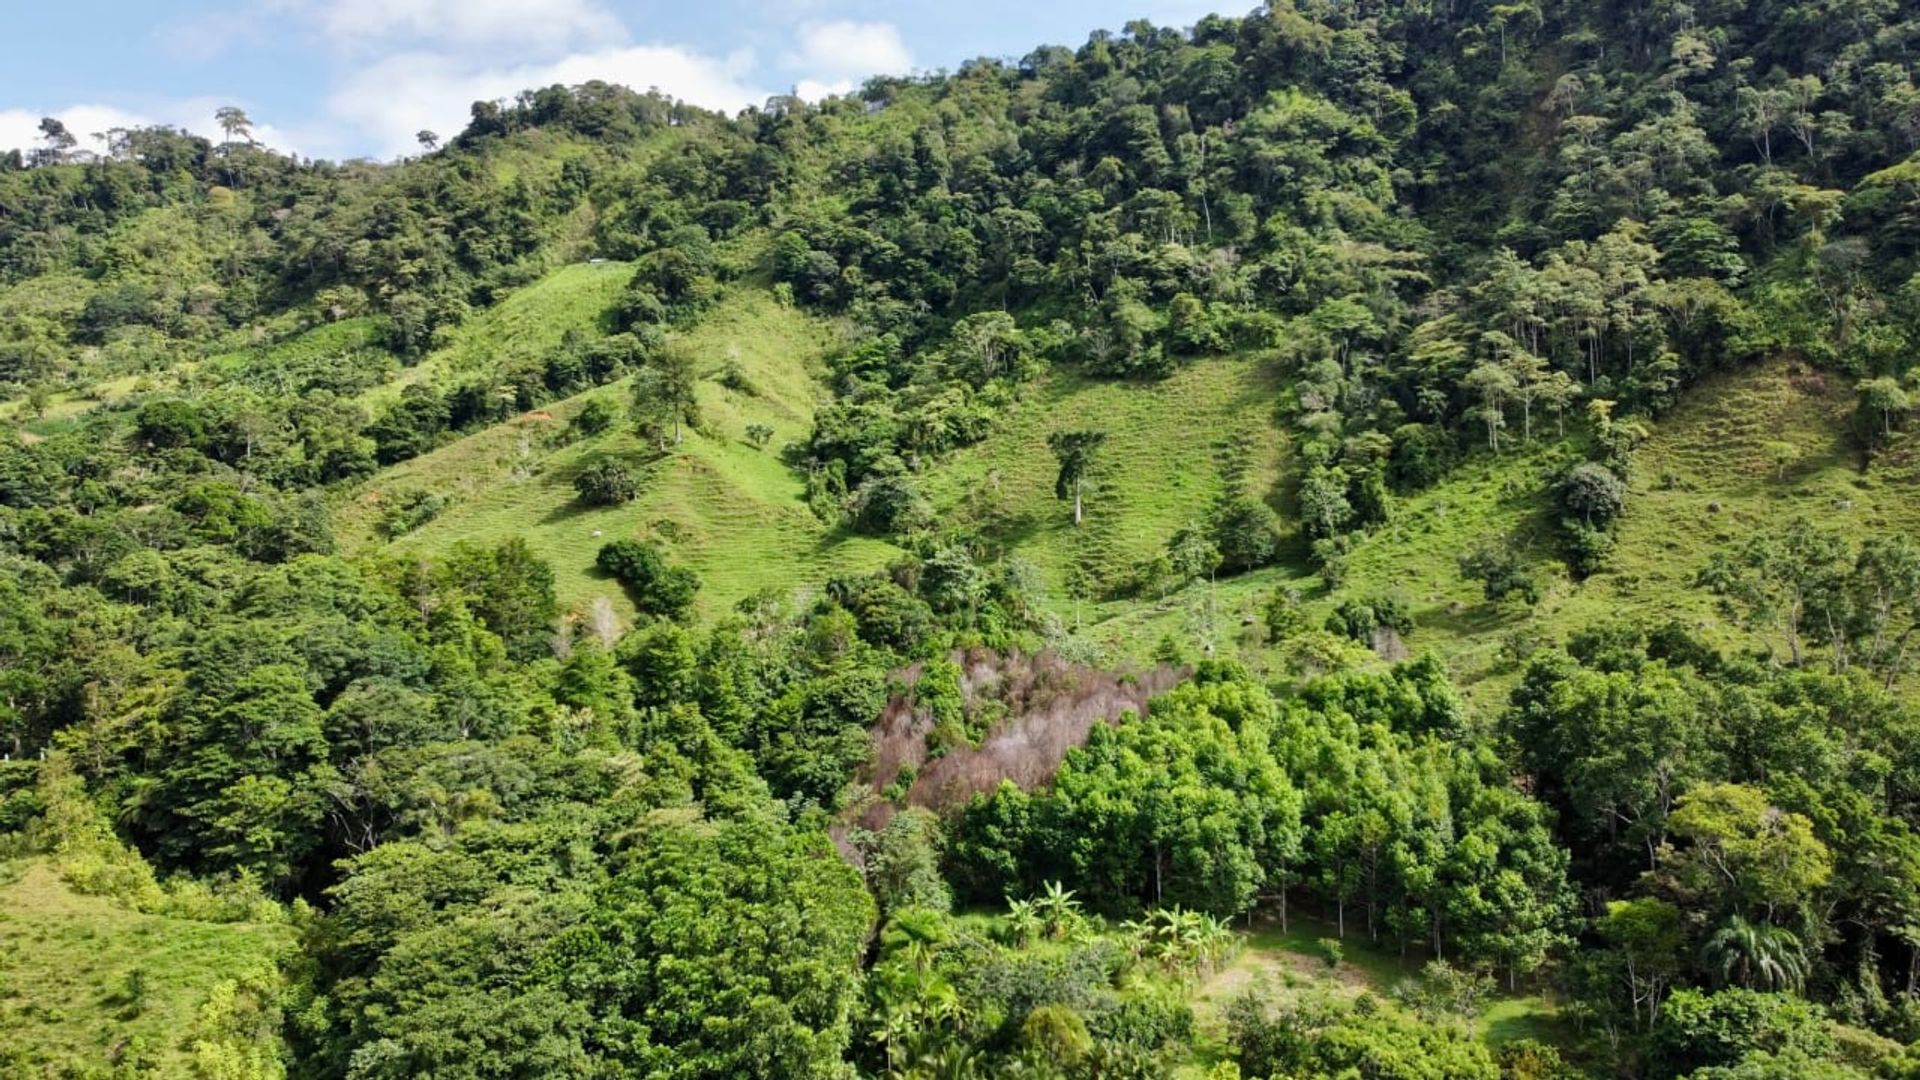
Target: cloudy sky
345, 78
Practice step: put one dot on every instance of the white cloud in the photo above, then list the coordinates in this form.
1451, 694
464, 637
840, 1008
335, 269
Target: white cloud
408, 65
538, 25
20, 128
389, 101
818, 90
836, 51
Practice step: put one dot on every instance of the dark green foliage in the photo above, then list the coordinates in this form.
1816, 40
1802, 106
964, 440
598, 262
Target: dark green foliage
1186, 807
1698, 1030
410, 511
594, 417
888, 616
512, 593
607, 482
167, 424
727, 950
1246, 532
560, 964
891, 504
1501, 574
1591, 493
656, 587
1363, 619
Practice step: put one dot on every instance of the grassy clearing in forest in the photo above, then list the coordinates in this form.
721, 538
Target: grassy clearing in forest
734, 512
83, 979
528, 324
1286, 965
1749, 449
1160, 468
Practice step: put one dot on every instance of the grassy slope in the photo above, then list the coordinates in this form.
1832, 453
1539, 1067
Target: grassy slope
1706, 478
1159, 469
528, 324
65, 962
734, 513
1703, 481
1288, 965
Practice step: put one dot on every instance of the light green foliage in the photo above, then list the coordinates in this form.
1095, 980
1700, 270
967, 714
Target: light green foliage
1330, 1037
89, 977
1186, 807
1292, 305
735, 515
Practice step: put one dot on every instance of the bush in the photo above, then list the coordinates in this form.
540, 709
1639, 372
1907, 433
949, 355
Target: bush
1592, 493
1500, 574
656, 587
410, 511
891, 504
595, 417
1587, 549
1247, 532
1362, 619
1700, 1030
1332, 952
169, 423
607, 483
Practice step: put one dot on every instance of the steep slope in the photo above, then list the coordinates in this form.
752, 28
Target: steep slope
85, 979
733, 511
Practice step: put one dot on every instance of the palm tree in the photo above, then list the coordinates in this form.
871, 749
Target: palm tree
1059, 912
914, 934
1023, 923
1137, 936
1747, 953
897, 1026
951, 1062
1217, 941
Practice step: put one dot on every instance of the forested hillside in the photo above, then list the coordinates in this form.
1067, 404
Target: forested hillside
451, 610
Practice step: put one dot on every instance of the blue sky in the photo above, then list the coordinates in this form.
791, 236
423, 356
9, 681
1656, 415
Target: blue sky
342, 78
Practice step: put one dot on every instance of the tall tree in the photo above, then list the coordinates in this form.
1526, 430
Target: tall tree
1075, 451
663, 395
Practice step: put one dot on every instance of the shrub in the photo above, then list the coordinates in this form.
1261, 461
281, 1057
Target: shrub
410, 511
1246, 532
1332, 952
1361, 619
656, 587
607, 483
595, 417
1500, 574
1587, 548
1592, 493
1700, 1030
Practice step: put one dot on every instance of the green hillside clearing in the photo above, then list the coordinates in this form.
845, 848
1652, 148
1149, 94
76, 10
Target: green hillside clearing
735, 513
83, 978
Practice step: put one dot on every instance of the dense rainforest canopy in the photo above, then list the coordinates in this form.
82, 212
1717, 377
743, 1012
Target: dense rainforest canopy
439, 816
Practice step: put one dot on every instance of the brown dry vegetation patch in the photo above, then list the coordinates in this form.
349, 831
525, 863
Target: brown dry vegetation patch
1049, 704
